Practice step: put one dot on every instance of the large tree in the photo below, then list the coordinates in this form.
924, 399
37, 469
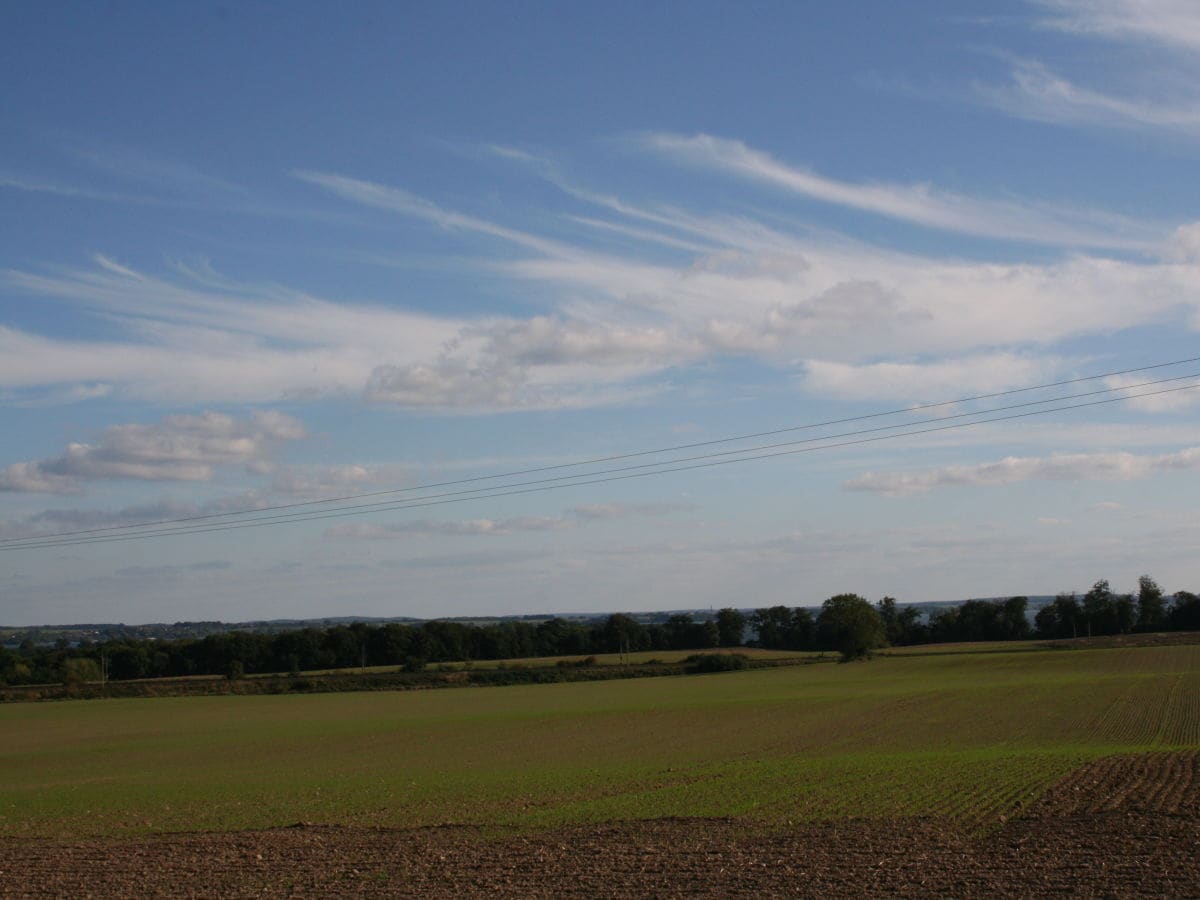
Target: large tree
851, 625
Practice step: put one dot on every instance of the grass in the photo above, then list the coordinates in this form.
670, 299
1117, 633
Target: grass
968, 735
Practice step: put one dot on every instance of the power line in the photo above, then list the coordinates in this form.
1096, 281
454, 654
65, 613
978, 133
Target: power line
391, 504
620, 456
579, 480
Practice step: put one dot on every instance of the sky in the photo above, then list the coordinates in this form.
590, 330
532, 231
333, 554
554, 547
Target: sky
256, 255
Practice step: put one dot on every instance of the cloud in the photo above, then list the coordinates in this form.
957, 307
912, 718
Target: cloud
74, 393
53, 521
1184, 245
1155, 92
851, 303
1036, 92
394, 199
315, 481
573, 517
1178, 400
942, 379
213, 565
429, 528
180, 448
200, 339
34, 185
547, 340
204, 339
287, 483
1013, 469
169, 184
605, 511
447, 383
918, 204
620, 320
171, 175
33, 478
1165, 23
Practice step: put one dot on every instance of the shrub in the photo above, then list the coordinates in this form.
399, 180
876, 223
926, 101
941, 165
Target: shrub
718, 662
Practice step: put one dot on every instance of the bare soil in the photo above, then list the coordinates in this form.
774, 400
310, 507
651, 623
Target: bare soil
1124, 826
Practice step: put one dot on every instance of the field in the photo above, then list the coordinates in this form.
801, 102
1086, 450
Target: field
639, 657
970, 741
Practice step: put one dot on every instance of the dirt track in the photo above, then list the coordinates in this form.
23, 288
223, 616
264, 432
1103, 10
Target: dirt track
1124, 826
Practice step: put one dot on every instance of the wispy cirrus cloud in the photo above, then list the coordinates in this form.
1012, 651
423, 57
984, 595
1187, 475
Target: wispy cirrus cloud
619, 320
1165, 23
394, 199
1036, 92
1013, 469
34, 185
920, 204
173, 176
1130, 92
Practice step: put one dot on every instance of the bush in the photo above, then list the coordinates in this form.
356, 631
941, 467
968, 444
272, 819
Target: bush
718, 662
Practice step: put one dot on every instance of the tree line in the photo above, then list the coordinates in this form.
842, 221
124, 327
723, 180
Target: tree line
1100, 611
846, 624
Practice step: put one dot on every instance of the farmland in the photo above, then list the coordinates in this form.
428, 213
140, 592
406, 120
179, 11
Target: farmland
971, 739
958, 734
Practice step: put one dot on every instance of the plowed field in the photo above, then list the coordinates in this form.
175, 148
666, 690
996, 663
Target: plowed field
1123, 826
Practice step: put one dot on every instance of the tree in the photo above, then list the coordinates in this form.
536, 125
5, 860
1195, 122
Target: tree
851, 625
1125, 613
80, 670
1060, 619
902, 626
682, 633
1014, 622
772, 625
780, 628
890, 616
1099, 609
1151, 606
1185, 613
801, 630
621, 633
731, 624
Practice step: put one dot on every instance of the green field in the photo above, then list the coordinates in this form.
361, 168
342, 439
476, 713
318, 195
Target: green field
968, 735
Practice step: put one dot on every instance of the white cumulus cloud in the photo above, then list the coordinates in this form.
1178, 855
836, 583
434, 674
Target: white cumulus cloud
180, 448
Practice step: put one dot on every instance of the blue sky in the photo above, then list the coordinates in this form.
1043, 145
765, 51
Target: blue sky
254, 255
